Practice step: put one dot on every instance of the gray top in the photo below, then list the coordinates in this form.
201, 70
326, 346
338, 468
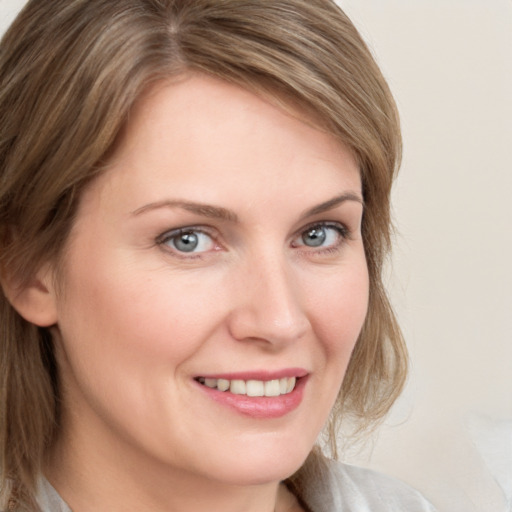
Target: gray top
48, 498
348, 488
345, 488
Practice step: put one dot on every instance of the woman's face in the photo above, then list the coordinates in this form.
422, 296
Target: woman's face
221, 249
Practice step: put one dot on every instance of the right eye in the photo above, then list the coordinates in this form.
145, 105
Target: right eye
324, 235
188, 241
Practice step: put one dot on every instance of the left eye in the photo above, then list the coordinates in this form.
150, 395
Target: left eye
189, 241
322, 235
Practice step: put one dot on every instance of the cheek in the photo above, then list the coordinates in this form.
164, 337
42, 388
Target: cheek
126, 334
127, 314
340, 310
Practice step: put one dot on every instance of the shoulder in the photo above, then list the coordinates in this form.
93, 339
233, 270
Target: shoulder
380, 492
355, 489
48, 499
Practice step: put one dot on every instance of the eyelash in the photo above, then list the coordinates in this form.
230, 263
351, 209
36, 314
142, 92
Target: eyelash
166, 237
341, 229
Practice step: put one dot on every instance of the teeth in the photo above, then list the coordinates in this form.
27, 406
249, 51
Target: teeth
252, 387
223, 384
272, 388
238, 387
255, 388
211, 383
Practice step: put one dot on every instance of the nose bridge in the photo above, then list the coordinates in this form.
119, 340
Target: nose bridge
270, 306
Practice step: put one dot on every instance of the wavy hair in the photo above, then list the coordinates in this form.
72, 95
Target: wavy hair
70, 73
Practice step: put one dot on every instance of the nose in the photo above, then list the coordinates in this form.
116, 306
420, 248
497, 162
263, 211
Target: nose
268, 305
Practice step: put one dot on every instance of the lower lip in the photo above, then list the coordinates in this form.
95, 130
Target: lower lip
260, 407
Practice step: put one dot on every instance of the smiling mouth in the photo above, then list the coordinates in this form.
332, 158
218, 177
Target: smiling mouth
252, 388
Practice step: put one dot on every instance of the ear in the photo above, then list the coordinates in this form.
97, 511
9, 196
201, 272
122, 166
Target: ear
35, 301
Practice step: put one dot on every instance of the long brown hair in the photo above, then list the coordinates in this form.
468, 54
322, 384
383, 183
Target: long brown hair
70, 72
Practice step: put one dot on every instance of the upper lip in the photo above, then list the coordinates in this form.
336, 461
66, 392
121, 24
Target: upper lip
263, 375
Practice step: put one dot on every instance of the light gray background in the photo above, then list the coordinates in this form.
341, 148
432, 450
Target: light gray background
449, 63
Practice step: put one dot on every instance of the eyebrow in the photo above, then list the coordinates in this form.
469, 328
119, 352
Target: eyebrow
205, 210
218, 212
333, 203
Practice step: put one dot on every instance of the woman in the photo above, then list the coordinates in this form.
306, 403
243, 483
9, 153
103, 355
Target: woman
191, 289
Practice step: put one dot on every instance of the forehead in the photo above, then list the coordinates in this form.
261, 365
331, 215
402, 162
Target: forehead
199, 136
197, 105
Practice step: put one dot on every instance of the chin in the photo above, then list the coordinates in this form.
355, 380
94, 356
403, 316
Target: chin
255, 467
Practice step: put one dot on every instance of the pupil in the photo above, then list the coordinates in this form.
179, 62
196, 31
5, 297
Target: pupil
314, 237
186, 242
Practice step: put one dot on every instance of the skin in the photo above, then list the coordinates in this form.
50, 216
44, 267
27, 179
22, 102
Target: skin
135, 320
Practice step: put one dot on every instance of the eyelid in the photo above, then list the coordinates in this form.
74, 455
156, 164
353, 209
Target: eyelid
170, 233
338, 226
